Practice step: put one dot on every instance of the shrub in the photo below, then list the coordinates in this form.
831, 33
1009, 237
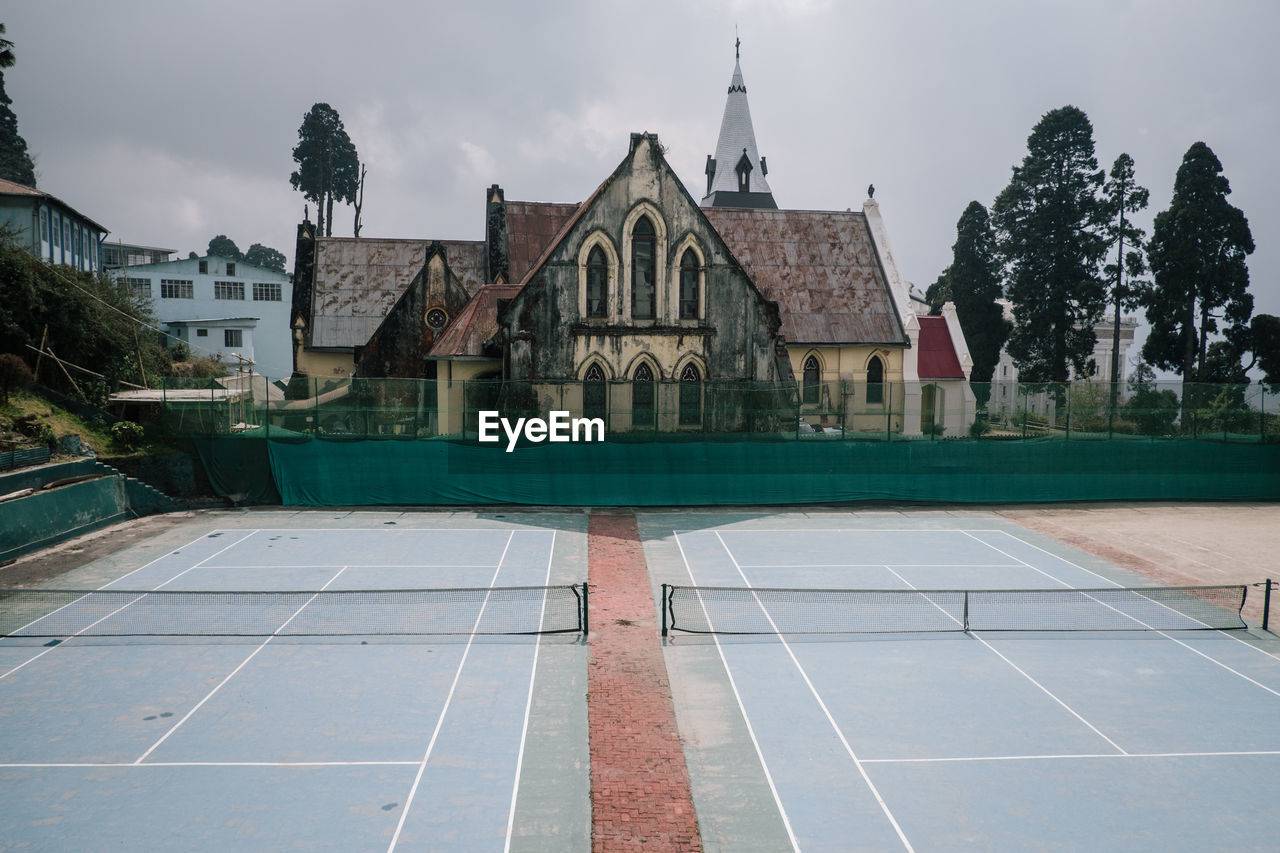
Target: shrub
127, 434
14, 376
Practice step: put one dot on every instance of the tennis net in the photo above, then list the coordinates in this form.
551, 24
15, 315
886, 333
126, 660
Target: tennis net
747, 610
293, 613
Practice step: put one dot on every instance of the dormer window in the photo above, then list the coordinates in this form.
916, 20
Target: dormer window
644, 290
744, 172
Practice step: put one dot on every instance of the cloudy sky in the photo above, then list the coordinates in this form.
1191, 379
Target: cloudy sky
172, 122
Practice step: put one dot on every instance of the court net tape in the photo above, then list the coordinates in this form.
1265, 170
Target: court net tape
294, 613
746, 610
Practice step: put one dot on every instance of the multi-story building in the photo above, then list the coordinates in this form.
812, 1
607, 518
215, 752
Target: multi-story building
116, 254
221, 307
49, 228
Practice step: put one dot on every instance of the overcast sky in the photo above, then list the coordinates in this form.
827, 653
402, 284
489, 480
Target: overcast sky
172, 122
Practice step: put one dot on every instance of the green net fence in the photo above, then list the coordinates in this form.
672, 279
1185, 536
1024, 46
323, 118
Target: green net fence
376, 441
353, 409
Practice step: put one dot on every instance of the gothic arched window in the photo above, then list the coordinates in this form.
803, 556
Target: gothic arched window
688, 285
812, 381
594, 393
690, 396
875, 380
644, 287
643, 391
597, 282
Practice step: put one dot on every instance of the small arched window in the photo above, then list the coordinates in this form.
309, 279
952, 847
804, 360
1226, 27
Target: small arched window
690, 396
688, 285
594, 393
812, 381
644, 289
643, 412
875, 380
597, 282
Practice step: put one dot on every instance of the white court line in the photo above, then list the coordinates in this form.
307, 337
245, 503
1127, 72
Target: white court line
412, 762
1023, 673
1164, 634
231, 675
123, 606
330, 567
854, 530
884, 807
782, 812
528, 702
431, 745
880, 565
1127, 755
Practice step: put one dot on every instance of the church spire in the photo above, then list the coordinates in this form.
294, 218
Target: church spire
736, 175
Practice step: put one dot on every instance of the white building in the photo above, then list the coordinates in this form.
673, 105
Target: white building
222, 307
1006, 396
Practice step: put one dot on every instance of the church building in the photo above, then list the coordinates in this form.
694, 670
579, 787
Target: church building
644, 306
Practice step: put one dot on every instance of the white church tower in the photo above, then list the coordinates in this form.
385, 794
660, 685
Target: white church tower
736, 175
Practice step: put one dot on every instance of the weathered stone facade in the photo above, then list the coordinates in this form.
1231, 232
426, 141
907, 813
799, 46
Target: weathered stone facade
546, 330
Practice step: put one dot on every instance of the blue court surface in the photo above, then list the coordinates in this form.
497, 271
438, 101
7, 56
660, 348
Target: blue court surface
465, 742
1004, 741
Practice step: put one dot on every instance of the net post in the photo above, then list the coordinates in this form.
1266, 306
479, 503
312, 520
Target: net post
966, 611
1266, 603
586, 608
664, 610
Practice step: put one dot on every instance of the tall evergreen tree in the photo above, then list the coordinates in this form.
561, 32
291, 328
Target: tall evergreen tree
328, 166
1197, 253
1122, 197
1049, 240
15, 162
972, 282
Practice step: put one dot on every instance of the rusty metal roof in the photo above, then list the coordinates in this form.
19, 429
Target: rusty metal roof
357, 282
531, 226
937, 358
476, 323
820, 267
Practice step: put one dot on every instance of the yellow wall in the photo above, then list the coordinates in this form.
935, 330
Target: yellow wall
325, 364
846, 404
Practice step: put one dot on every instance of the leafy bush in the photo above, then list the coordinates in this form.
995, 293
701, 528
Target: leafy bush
1152, 412
127, 434
14, 376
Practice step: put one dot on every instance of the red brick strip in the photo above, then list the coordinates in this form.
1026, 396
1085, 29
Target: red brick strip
640, 795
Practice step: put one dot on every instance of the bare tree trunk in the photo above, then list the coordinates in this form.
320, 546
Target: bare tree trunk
359, 202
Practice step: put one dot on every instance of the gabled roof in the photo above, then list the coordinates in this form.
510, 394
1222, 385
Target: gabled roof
15, 189
358, 281
531, 226
475, 324
937, 352
820, 267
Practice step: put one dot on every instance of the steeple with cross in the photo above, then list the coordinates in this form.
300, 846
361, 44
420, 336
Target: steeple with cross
736, 174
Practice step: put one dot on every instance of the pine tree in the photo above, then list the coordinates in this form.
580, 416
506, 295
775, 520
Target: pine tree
1122, 197
1201, 288
1048, 238
328, 166
973, 284
15, 162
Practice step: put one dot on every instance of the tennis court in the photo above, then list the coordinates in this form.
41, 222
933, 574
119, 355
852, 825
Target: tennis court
928, 737
347, 718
